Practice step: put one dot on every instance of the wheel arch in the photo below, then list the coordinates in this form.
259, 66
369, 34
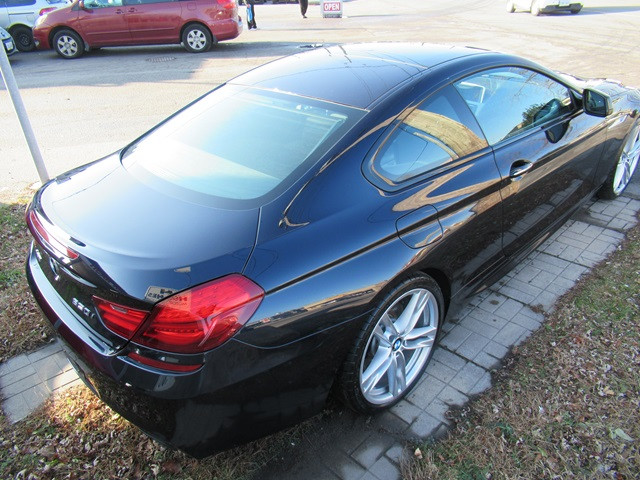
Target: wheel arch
443, 282
187, 24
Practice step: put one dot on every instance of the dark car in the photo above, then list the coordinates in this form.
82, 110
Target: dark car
308, 225
7, 42
87, 24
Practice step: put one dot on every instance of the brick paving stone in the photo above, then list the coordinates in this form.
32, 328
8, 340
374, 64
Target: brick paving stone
526, 322
543, 279
509, 334
483, 384
441, 371
467, 377
16, 408
527, 274
13, 364
61, 381
573, 240
517, 294
343, 466
395, 453
426, 424
550, 260
511, 307
496, 350
573, 272
451, 396
455, 337
385, 470
21, 385
438, 410
472, 346
17, 375
478, 326
426, 391
449, 359
35, 396
486, 361
492, 302
407, 411
47, 368
371, 450
45, 351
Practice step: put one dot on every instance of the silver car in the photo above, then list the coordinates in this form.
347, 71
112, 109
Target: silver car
19, 16
536, 7
7, 40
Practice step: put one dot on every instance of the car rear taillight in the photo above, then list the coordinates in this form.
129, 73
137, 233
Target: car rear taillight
192, 321
47, 10
201, 318
120, 319
49, 237
228, 4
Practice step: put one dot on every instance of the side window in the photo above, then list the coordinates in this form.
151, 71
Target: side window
145, 2
439, 131
102, 3
510, 100
19, 3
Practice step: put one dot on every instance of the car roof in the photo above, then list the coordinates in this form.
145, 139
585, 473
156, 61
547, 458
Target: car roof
355, 74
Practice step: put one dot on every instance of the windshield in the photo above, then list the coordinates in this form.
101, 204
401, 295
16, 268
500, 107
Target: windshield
240, 143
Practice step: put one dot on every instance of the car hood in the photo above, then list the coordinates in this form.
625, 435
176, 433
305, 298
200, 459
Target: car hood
140, 239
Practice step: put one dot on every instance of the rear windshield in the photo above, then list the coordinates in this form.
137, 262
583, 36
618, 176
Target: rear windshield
240, 143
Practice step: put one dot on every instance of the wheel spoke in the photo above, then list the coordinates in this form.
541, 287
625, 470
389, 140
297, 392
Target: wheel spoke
377, 369
412, 312
420, 338
397, 374
389, 325
382, 337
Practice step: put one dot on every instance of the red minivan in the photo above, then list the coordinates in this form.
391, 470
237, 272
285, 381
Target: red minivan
87, 24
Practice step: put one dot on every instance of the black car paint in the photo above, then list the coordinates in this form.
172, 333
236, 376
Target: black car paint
323, 251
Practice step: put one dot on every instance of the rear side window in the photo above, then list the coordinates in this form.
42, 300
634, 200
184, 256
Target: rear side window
239, 143
436, 133
510, 100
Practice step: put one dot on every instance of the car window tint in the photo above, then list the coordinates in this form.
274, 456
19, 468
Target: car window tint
102, 3
144, 2
20, 3
507, 101
440, 130
239, 143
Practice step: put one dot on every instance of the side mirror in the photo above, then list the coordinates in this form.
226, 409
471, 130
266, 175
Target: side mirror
596, 103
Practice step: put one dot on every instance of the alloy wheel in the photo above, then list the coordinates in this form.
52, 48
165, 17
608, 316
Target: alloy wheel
196, 39
67, 45
399, 346
628, 161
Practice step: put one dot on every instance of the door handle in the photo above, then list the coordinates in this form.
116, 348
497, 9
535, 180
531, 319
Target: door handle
520, 167
119, 11
132, 10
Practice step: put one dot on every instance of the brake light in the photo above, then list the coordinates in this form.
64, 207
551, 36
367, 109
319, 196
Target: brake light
47, 10
201, 318
228, 4
121, 320
47, 237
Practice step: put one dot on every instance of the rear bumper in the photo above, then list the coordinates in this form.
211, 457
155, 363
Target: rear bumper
240, 393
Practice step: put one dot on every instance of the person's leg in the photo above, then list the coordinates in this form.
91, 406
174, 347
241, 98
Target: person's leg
304, 4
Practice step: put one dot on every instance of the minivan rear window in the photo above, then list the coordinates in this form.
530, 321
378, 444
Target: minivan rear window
240, 143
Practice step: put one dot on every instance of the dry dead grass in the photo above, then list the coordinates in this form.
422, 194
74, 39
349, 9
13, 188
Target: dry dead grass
21, 326
567, 404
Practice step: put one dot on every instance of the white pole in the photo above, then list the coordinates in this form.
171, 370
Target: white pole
21, 112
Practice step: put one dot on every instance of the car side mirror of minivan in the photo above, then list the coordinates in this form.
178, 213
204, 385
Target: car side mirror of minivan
596, 103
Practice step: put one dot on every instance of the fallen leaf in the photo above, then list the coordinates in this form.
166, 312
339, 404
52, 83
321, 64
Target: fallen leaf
418, 454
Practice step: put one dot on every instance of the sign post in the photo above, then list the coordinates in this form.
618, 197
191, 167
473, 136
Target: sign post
21, 112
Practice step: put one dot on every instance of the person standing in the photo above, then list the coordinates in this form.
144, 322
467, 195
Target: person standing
251, 14
304, 4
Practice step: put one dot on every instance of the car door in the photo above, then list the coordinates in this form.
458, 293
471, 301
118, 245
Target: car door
102, 22
4, 15
441, 171
546, 149
154, 21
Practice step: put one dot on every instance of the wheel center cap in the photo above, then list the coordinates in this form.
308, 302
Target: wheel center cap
396, 345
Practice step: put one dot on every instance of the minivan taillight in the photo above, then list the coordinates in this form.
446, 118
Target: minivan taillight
192, 321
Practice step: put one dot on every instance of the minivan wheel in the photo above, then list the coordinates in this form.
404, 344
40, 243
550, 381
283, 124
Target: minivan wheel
196, 38
23, 36
394, 346
68, 44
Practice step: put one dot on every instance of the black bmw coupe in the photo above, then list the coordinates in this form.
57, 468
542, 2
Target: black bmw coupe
308, 225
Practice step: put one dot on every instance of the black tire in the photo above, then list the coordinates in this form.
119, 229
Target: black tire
378, 344
68, 44
23, 36
196, 38
576, 10
625, 166
535, 8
